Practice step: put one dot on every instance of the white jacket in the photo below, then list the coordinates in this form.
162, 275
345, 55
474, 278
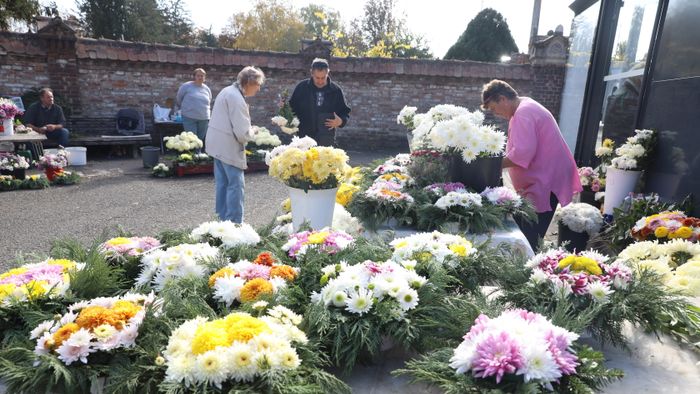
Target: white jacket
229, 128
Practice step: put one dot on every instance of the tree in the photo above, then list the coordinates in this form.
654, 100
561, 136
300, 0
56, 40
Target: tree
322, 22
270, 26
17, 10
137, 20
486, 39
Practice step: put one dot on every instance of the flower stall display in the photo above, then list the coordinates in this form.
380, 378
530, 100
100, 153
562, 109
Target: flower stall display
326, 241
185, 142
312, 174
593, 184
246, 281
8, 111
98, 325
436, 246
577, 223
457, 210
631, 158
12, 164
158, 267
677, 262
126, 252
517, 351
53, 164
257, 149
359, 304
285, 119
383, 203
240, 352
474, 148
667, 225
31, 281
161, 170
603, 294
226, 234
427, 167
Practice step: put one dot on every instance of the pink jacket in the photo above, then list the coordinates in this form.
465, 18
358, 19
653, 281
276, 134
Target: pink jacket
544, 163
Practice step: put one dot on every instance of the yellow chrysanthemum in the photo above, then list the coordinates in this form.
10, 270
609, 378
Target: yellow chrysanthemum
608, 143
226, 271
6, 290
461, 249
401, 244
125, 310
13, 272
318, 238
245, 328
36, 288
118, 241
64, 333
581, 263
65, 263
345, 193
254, 288
661, 232
287, 205
209, 336
684, 232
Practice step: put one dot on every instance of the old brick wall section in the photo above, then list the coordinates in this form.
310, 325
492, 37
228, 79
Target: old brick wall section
101, 76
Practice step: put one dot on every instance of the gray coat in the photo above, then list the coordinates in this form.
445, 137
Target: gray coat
229, 128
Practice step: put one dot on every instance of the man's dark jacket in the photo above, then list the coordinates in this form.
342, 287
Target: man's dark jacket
304, 103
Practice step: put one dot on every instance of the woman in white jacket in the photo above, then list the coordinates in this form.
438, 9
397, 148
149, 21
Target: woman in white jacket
229, 130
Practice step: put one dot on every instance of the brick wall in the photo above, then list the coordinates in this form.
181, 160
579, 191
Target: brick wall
98, 77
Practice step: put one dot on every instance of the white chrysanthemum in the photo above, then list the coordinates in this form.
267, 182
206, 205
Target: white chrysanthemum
691, 268
180, 368
599, 291
641, 251
242, 365
463, 357
538, 364
41, 329
688, 285
359, 302
211, 367
538, 276
408, 299
581, 217
227, 289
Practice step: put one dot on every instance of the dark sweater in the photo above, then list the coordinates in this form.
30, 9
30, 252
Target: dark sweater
310, 103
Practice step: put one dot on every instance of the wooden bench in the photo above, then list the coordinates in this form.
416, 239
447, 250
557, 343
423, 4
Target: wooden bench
133, 141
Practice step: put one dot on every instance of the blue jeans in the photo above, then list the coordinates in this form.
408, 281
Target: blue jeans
230, 191
59, 135
196, 126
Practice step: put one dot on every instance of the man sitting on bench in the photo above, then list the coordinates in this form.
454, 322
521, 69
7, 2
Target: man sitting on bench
45, 117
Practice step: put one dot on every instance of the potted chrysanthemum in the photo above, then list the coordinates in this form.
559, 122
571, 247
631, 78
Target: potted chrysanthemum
312, 174
577, 223
474, 148
285, 119
256, 149
625, 169
12, 164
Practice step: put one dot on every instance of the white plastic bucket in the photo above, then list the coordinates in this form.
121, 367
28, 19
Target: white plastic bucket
77, 155
618, 185
314, 206
8, 127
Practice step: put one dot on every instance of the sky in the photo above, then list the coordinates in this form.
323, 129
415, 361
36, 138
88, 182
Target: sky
440, 22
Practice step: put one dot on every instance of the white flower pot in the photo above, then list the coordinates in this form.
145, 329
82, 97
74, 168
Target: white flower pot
618, 185
313, 206
8, 125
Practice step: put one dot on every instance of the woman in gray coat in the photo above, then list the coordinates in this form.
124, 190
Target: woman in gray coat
229, 130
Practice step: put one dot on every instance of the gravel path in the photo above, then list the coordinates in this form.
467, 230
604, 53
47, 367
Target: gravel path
121, 193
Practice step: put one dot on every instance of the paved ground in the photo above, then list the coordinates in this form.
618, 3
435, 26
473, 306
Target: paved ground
122, 193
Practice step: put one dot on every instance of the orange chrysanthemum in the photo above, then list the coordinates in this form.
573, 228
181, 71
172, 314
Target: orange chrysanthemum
125, 310
265, 258
254, 288
94, 316
283, 271
64, 333
220, 274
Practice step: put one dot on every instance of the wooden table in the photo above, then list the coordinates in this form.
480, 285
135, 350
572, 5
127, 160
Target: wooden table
32, 138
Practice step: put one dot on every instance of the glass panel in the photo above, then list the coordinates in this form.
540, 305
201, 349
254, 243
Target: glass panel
581, 42
626, 74
679, 52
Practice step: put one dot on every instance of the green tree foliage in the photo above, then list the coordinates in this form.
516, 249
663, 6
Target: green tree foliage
486, 39
322, 22
164, 21
17, 10
272, 25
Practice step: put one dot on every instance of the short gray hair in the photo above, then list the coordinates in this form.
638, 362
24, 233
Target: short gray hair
250, 74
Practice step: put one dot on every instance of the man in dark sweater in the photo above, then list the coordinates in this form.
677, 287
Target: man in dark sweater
320, 105
45, 117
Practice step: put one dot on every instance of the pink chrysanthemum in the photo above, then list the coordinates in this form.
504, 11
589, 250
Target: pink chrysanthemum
497, 355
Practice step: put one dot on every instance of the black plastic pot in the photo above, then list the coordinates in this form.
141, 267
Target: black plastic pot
577, 241
477, 175
588, 197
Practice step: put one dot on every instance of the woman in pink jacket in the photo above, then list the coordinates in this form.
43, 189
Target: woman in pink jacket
229, 130
537, 158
